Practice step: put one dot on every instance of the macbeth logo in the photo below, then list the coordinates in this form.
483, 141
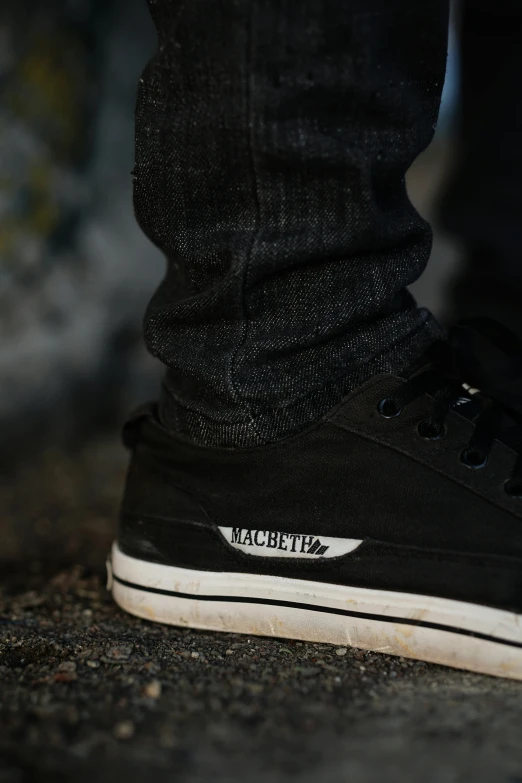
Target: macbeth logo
274, 543
287, 542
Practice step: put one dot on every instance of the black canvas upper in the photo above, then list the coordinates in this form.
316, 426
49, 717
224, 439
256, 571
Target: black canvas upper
430, 523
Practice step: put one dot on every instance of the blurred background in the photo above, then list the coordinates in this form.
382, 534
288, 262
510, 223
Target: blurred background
75, 270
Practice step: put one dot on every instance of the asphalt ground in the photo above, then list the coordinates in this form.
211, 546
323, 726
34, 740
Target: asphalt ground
89, 693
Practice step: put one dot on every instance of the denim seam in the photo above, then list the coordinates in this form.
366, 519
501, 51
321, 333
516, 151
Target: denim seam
201, 414
244, 271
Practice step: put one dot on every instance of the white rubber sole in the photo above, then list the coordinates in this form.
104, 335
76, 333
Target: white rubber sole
438, 630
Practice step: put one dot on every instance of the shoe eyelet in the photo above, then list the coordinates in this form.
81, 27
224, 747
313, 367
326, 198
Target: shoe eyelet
513, 488
388, 408
473, 459
430, 431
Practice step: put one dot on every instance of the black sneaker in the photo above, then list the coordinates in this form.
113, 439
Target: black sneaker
394, 524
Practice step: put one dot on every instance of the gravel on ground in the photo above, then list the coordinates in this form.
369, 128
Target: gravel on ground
88, 693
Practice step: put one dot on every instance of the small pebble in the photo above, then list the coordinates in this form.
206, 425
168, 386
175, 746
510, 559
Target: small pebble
93, 664
124, 730
67, 666
194, 655
119, 652
153, 689
341, 651
229, 652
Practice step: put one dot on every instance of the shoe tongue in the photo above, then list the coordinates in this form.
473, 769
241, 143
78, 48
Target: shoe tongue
429, 360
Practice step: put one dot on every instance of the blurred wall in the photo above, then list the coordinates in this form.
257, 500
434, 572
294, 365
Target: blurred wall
75, 270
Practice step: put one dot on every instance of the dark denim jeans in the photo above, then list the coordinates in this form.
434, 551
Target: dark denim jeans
273, 138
